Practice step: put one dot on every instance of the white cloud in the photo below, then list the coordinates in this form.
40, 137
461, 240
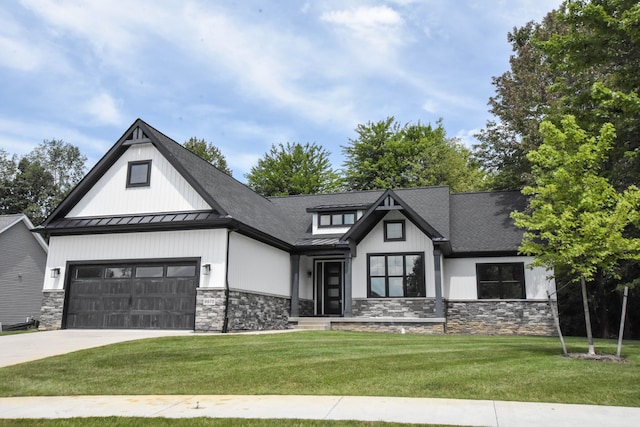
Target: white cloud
379, 27
104, 110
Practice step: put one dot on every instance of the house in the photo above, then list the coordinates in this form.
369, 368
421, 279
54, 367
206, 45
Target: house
155, 237
23, 257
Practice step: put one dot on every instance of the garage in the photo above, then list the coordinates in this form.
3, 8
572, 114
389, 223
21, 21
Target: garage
142, 295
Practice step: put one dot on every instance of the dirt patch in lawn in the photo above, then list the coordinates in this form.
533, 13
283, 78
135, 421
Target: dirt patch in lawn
596, 357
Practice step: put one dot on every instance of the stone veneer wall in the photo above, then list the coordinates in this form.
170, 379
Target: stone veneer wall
247, 311
500, 317
393, 327
51, 310
209, 310
305, 308
394, 307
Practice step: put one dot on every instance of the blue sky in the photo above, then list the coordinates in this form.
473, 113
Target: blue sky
244, 75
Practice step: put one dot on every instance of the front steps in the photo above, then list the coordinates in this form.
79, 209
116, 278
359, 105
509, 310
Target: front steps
313, 324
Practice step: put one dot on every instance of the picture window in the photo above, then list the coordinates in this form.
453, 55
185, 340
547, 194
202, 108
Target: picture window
501, 281
396, 275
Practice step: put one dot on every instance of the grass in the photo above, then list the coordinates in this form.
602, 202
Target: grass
192, 422
339, 363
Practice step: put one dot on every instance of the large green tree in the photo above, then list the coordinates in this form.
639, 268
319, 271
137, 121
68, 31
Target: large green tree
389, 155
36, 183
208, 152
293, 169
576, 220
582, 59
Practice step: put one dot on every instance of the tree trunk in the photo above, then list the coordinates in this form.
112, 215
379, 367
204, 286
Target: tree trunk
587, 317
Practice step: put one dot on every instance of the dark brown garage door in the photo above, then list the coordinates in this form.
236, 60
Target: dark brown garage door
132, 296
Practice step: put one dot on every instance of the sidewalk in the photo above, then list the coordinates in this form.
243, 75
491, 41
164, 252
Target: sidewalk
393, 409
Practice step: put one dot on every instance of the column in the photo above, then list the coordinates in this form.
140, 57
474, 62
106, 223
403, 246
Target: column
437, 262
295, 286
347, 309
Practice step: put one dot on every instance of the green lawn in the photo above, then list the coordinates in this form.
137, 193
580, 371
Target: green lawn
339, 363
192, 422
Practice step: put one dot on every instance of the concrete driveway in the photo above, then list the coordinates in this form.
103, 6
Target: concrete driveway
26, 347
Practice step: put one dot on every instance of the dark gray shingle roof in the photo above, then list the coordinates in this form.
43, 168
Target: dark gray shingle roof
473, 222
480, 222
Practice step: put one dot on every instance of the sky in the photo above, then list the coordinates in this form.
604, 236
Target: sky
245, 74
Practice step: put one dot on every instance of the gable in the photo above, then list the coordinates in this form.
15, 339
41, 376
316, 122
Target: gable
168, 191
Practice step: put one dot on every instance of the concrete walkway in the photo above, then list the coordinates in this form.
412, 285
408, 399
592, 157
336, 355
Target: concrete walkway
391, 409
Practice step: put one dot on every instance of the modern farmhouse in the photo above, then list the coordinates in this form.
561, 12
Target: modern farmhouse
156, 237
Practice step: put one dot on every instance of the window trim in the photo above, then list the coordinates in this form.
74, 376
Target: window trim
330, 214
517, 264
147, 181
404, 274
403, 238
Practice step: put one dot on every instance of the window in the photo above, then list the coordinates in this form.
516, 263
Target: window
337, 219
394, 231
181, 271
117, 272
88, 272
501, 281
156, 271
139, 174
396, 275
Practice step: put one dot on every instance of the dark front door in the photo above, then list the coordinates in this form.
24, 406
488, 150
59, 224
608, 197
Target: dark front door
332, 288
148, 296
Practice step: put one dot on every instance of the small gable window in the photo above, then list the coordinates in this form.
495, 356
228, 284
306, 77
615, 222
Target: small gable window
394, 231
336, 219
501, 281
139, 174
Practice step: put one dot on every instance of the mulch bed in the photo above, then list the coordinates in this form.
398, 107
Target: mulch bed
597, 357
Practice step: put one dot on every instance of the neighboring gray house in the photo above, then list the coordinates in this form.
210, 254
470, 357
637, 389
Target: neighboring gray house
23, 256
156, 237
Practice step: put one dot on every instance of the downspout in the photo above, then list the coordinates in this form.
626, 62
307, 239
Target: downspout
225, 321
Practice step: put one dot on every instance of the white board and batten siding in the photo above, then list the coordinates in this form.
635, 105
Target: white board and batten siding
168, 190
416, 241
258, 267
460, 282
208, 245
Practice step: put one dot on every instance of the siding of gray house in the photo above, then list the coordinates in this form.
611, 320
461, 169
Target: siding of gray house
22, 266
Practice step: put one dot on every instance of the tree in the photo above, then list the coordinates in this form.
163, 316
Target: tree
36, 183
582, 59
63, 161
521, 102
576, 220
31, 191
294, 169
388, 155
208, 152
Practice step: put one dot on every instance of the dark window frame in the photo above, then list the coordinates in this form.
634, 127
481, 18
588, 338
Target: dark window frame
331, 216
422, 291
146, 182
501, 283
395, 239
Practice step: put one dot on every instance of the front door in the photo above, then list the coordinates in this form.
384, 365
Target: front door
332, 283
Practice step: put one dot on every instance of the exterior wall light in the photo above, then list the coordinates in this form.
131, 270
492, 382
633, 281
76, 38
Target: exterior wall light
55, 272
206, 269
